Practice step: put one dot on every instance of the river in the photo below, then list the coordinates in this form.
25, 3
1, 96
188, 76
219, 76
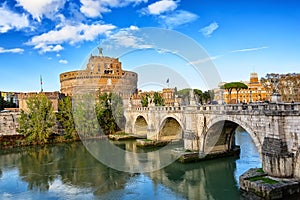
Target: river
68, 171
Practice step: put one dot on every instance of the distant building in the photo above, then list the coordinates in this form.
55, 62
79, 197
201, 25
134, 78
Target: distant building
168, 95
10, 97
255, 92
54, 97
102, 74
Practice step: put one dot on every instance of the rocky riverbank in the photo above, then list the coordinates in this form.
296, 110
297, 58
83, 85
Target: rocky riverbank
257, 184
194, 156
122, 136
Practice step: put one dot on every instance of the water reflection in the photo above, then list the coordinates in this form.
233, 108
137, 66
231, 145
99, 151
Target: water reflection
68, 171
66, 165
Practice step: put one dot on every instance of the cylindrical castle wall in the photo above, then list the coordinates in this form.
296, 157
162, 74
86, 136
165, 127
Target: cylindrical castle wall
70, 81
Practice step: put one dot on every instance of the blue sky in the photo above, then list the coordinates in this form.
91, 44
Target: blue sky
53, 36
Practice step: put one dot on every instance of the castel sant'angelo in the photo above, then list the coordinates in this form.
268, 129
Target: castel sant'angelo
102, 74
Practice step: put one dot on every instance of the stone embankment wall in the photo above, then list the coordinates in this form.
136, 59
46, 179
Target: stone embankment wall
9, 123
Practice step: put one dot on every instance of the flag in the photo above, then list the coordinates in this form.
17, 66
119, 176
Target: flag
167, 80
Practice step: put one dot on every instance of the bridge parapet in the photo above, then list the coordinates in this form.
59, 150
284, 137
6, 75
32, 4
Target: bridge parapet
246, 109
158, 108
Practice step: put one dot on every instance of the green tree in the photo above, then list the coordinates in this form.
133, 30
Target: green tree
65, 117
184, 95
144, 100
206, 96
84, 115
37, 124
234, 85
117, 109
238, 87
1, 102
229, 87
199, 95
109, 111
157, 99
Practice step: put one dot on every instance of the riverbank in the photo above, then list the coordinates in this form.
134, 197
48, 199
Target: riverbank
255, 183
14, 141
19, 140
123, 136
190, 157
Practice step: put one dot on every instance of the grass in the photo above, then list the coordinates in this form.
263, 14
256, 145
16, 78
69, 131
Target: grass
264, 179
260, 170
120, 133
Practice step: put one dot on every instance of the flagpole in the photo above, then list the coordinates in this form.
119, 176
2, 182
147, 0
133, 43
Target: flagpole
41, 83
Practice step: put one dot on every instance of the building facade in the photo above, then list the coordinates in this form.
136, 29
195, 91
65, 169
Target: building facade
10, 97
102, 74
168, 95
255, 92
54, 97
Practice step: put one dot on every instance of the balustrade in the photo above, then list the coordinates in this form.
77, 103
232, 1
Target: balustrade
261, 107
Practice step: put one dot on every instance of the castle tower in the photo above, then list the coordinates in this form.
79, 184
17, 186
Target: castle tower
102, 74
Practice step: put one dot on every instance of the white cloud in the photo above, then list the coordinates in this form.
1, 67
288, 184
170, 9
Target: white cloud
249, 49
63, 62
204, 60
166, 51
15, 50
95, 8
208, 30
40, 8
10, 20
58, 55
127, 38
133, 28
72, 34
177, 18
48, 48
160, 7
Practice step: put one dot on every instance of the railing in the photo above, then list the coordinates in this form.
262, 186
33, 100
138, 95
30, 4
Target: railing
252, 107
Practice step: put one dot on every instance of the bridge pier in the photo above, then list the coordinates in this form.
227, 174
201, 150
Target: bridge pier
297, 165
277, 161
191, 140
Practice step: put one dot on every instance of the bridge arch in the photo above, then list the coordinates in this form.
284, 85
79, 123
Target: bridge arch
220, 133
170, 128
140, 125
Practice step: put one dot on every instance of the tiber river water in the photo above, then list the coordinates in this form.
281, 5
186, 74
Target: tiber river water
68, 171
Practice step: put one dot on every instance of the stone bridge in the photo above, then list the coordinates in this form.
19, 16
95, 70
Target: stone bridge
274, 128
